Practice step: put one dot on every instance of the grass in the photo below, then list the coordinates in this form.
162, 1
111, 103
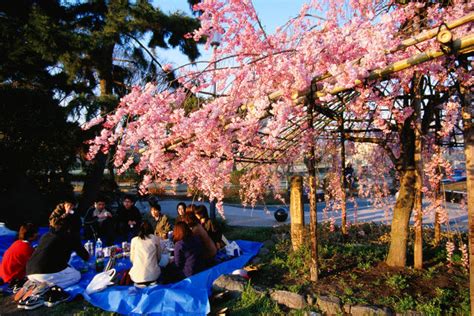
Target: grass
352, 268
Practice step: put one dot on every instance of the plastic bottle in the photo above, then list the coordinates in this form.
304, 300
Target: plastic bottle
99, 256
89, 247
98, 246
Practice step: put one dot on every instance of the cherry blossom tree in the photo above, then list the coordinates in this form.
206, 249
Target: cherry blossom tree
279, 92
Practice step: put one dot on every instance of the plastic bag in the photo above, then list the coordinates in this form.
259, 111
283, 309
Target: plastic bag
233, 249
101, 281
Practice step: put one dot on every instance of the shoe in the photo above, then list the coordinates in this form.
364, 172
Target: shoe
27, 287
55, 296
33, 302
16, 285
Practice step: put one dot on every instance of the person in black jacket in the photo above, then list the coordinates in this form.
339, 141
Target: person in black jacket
49, 262
98, 222
129, 219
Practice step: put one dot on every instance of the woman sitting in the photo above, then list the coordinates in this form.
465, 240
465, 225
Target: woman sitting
145, 254
49, 262
209, 247
180, 210
13, 265
187, 251
211, 229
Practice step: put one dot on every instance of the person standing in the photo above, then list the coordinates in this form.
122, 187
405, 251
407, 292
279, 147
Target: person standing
129, 218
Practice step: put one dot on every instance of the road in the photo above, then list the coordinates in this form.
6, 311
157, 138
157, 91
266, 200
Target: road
262, 216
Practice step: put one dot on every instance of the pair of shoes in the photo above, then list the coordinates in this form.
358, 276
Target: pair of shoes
26, 288
33, 298
55, 296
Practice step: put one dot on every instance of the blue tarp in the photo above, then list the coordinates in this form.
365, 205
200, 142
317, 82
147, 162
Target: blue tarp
189, 296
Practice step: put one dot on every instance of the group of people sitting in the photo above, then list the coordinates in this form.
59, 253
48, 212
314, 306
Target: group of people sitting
196, 242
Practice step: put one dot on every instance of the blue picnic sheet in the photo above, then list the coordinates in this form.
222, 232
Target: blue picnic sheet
189, 296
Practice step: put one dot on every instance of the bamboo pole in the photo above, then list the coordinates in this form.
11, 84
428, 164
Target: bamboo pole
459, 45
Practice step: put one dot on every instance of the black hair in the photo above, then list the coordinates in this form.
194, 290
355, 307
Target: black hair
156, 206
27, 231
181, 204
129, 197
201, 211
145, 230
101, 198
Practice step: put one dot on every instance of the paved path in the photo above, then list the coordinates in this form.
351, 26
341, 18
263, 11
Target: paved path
262, 216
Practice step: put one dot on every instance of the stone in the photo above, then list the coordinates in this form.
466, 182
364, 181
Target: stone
329, 305
347, 308
268, 243
263, 251
233, 283
365, 310
311, 300
289, 299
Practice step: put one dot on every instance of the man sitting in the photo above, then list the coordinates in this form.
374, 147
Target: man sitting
159, 221
49, 262
66, 209
98, 222
129, 219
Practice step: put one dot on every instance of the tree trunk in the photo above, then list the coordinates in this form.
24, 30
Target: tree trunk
468, 116
401, 218
296, 212
94, 177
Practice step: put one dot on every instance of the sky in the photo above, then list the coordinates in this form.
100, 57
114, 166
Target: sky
272, 13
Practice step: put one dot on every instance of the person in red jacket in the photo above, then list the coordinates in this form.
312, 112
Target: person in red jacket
13, 266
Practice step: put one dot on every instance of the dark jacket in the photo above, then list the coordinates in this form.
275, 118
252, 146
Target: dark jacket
188, 256
124, 215
213, 232
53, 253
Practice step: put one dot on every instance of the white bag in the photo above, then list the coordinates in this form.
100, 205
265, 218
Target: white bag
233, 249
101, 281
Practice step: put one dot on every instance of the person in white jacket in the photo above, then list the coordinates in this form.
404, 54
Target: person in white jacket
145, 255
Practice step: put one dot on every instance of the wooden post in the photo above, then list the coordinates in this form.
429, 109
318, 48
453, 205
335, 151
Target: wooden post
418, 245
313, 215
468, 116
296, 212
343, 179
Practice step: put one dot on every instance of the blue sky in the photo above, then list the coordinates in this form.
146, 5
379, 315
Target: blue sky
272, 13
